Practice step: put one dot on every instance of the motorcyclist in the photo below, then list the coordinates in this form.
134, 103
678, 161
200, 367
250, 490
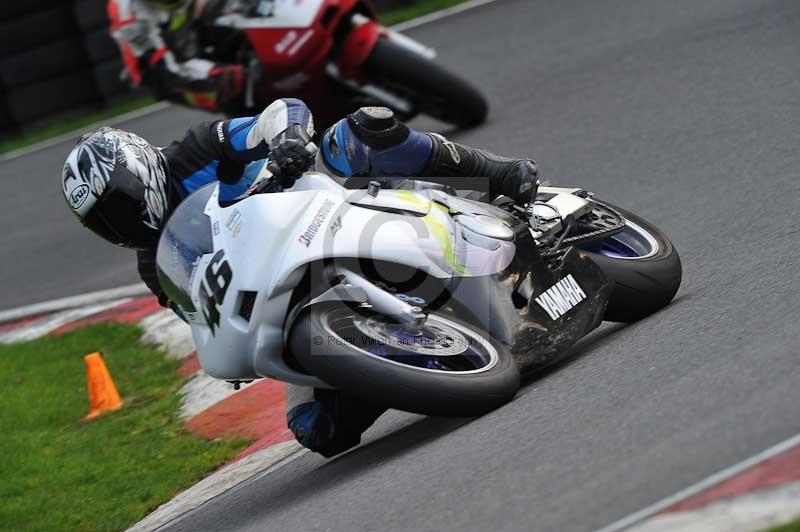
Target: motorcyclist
124, 189
163, 45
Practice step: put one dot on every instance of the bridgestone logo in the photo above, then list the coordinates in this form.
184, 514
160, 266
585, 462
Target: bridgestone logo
316, 223
561, 297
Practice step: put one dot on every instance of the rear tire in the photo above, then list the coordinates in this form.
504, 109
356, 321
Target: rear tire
432, 89
642, 286
342, 361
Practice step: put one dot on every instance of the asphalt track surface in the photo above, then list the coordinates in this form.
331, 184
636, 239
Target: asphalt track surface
685, 112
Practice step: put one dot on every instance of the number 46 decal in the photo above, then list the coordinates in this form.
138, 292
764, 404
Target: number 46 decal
218, 277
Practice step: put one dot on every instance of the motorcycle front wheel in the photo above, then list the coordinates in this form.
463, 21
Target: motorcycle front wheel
644, 265
432, 89
445, 367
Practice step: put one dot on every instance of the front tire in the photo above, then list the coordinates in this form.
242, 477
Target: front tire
643, 264
433, 90
355, 353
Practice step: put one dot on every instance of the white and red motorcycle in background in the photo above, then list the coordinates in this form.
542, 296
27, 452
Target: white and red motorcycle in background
334, 55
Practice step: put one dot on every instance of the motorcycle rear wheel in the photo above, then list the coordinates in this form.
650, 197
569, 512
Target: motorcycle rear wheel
644, 265
444, 368
432, 89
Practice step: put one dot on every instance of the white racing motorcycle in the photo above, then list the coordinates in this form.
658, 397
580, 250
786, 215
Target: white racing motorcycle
411, 297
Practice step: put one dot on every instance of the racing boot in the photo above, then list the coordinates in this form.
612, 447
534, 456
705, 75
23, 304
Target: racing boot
326, 421
514, 178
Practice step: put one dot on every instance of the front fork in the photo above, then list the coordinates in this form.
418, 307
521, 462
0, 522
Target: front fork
354, 288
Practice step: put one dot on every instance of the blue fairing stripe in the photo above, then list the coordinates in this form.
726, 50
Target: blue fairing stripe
238, 128
200, 178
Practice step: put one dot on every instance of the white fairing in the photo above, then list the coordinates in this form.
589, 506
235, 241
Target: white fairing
285, 14
269, 239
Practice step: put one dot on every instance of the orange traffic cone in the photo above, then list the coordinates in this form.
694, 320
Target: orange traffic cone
103, 395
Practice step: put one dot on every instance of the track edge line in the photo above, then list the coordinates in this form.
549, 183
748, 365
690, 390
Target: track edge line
708, 482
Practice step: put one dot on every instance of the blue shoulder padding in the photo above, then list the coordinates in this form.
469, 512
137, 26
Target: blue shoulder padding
238, 129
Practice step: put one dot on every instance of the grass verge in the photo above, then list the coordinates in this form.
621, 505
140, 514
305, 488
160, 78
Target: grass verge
397, 16
794, 526
61, 474
65, 126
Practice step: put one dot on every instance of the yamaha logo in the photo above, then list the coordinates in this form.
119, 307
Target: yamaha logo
561, 297
78, 196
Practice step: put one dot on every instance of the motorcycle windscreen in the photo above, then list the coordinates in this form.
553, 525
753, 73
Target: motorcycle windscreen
184, 241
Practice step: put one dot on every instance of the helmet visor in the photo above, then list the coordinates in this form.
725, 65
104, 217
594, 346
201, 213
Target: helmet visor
118, 214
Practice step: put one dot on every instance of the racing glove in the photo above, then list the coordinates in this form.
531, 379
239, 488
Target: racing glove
291, 154
520, 181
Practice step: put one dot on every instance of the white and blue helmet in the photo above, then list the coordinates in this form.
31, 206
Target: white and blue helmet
115, 182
